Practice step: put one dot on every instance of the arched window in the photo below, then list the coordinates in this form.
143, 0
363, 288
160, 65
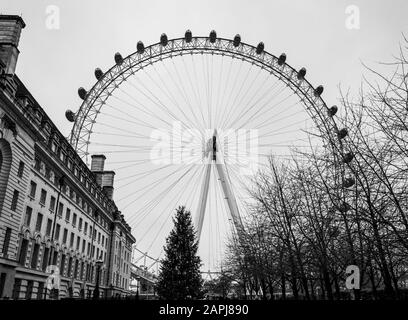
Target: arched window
5, 164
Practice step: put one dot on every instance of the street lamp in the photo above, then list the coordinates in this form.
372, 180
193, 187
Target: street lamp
137, 287
61, 182
98, 272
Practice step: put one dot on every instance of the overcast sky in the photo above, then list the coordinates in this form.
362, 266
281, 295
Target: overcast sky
54, 63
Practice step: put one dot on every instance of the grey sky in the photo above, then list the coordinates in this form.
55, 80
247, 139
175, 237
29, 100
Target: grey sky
54, 63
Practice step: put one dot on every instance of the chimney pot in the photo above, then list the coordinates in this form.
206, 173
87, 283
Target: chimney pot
10, 30
98, 162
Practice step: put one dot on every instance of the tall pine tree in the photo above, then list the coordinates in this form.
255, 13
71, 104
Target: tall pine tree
180, 276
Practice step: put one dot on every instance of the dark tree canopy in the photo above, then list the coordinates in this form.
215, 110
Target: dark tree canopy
180, 276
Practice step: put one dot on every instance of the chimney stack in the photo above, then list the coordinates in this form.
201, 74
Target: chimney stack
10, 30
103, 178
98, 162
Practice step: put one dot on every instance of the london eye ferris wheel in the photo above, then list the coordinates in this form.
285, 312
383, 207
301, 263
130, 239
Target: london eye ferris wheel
189, 121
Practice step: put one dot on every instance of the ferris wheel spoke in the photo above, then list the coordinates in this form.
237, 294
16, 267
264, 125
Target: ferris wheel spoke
158, 181
195, 94
228, 105
232, 103
178, 197
131, 133
156, 200
240, 102
140, 119
198, 124
259, 115
151, 186
224, 91
263, 107
157, 103
180, 89
138, 106
254, 102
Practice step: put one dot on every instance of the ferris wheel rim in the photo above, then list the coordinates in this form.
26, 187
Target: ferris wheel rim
114, 77
203, 45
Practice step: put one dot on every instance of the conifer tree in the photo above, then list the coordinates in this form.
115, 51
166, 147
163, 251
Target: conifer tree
180, 276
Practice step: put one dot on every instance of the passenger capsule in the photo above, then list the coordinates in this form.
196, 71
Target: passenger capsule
348, 157
318, 91
163, 40
282, 59
260, 48
349, 182
213, 36
98, 74
188, 36
301, 74
140, 47
332, 111
343, 133
118, 58
70, 115
237, 40
82, 93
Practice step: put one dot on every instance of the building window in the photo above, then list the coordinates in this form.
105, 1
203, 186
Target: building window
78, 243
86, 228
74, 220
69, 267
54, 147
49, 226
33, 189
43, 197
68, 215
71, 240
62, 265
6, 242
64, 237
14, 200
27, 218
38, 224
80, 224
40, 290
20, 171
60, 209
76, 269
34, 259
83, 245
16, 288
23, 251
55, 258
46, 256
57, 232
37, 164
52, 203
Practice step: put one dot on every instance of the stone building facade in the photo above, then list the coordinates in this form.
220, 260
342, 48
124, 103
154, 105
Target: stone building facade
59, 226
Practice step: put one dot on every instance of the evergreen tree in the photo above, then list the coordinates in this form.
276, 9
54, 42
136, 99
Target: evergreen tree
180, 276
